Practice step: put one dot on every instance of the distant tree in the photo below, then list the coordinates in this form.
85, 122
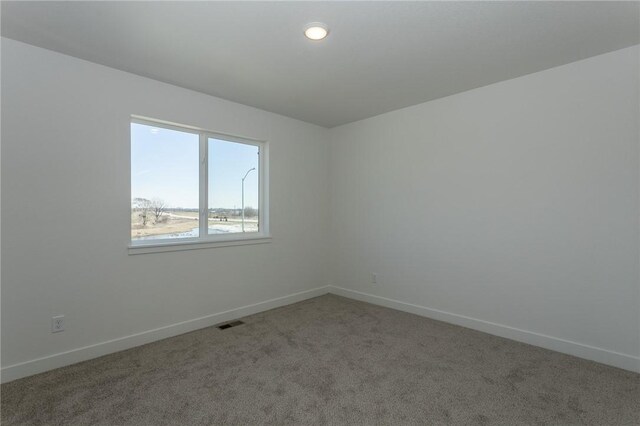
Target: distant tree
143, 206
158, 208
250, 212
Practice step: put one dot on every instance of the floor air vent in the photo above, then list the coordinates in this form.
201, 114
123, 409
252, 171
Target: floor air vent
229, 325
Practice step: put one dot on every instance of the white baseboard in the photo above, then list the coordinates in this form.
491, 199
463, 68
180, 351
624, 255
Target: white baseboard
39, 365
604, 356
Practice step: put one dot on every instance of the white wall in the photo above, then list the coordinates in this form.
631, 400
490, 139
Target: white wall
512, 208
65, 217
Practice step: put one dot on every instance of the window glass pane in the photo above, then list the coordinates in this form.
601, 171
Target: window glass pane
233, 183
164, 183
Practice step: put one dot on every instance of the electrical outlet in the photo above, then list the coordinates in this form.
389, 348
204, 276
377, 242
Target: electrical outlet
374, 278
57, 324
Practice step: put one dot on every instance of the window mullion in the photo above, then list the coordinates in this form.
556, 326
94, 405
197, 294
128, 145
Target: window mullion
204, 192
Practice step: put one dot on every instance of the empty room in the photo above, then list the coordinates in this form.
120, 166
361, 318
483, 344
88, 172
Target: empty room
320, 213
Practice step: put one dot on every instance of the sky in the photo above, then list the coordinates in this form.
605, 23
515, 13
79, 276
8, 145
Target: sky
164, 164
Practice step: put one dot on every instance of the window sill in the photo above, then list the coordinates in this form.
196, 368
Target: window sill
166, 246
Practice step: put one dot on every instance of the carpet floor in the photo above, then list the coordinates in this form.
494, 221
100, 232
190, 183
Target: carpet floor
329, 360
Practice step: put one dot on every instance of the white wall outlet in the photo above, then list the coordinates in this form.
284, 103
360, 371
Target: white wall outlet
57, 324
374, 278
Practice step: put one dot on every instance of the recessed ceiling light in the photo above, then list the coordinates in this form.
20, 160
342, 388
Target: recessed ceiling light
316, 31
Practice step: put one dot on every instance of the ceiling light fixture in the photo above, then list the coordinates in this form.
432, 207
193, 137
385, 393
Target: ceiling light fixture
316, 31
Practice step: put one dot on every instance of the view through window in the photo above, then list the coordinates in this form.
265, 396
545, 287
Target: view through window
170, 186
233, 202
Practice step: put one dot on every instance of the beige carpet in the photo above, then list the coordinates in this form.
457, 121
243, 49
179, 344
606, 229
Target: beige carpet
329, 360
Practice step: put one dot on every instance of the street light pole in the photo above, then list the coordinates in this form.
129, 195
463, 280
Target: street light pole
245, 176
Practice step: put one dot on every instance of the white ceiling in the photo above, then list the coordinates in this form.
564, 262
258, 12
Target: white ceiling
379, 56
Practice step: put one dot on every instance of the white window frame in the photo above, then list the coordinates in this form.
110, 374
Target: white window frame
206, 240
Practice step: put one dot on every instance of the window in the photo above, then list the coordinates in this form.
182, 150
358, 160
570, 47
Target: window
194, 187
